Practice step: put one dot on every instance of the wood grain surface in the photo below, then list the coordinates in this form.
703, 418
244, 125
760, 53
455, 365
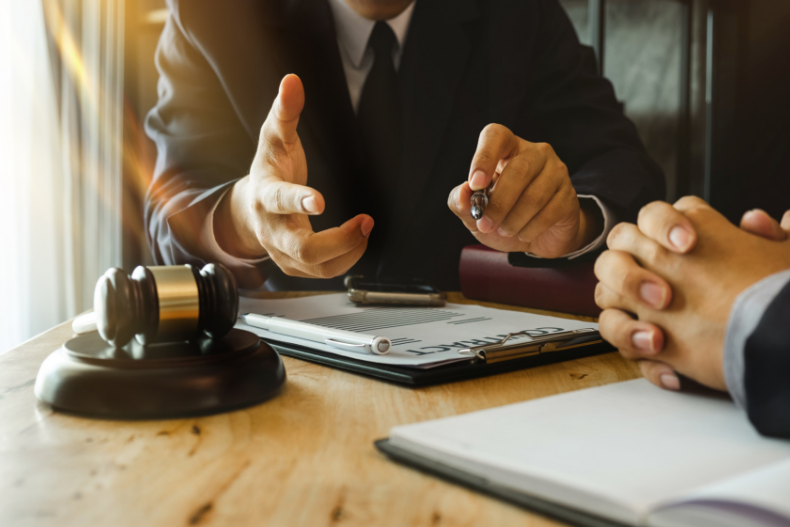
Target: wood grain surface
303, 458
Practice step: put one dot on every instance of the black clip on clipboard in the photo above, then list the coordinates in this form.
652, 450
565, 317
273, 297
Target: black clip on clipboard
490, 359
553, 342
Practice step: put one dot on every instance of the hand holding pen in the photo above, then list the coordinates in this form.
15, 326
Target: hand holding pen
479, 202
531, 207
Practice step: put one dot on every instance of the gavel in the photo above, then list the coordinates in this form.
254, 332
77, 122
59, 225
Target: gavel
166, 347
165, 304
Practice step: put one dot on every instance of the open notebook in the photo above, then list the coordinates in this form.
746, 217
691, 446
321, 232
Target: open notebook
626, 453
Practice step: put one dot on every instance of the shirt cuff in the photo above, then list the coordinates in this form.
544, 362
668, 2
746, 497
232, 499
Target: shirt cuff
600, 241
208, 240
745, 315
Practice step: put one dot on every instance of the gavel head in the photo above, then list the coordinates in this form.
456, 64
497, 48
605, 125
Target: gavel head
165, 304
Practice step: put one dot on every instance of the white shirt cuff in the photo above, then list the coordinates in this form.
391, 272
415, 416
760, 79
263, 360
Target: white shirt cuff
600, 241
746, 313
209, 241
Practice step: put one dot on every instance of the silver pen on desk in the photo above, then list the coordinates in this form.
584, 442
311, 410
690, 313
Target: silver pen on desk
336, 338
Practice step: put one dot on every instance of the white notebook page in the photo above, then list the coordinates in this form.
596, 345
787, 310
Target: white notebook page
760, 497
626, 446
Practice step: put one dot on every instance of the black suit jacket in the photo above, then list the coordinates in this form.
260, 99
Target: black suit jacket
767, 369
465, 64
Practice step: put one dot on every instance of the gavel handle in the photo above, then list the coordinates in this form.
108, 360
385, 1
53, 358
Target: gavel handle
84, 323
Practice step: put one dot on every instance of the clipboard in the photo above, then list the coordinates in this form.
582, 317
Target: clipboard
483, 361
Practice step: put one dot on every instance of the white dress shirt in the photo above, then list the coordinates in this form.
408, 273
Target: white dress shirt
353, 32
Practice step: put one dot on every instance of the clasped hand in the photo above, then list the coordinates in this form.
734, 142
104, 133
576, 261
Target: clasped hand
668, 284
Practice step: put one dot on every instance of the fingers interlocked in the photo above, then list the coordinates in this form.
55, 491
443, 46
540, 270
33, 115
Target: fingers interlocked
624, 284
626, 288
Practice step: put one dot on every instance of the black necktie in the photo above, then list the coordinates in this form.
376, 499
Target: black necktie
379, 116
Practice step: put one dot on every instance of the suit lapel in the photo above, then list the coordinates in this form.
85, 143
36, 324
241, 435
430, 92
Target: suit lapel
255, 43
315, 57
508, 80
434, 58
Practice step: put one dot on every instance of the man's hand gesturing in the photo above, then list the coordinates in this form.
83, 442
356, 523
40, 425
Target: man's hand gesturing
267, 211
533, 206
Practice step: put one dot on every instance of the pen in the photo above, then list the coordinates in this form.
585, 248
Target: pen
337, 338
479, 202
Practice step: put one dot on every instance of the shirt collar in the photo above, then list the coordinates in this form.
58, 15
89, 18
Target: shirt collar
353, 30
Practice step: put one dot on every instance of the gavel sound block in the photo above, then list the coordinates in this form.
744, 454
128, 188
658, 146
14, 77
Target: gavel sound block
165, 347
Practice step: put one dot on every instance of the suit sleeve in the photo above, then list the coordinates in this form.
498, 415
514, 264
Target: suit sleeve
766, 375
579, 115
202, 148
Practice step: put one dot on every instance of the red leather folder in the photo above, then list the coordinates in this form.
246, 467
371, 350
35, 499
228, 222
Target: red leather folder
564, 286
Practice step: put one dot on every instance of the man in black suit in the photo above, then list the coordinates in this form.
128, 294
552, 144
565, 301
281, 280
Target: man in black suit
390, 102
711, 302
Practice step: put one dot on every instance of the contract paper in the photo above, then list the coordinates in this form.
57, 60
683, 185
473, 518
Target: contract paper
422, 337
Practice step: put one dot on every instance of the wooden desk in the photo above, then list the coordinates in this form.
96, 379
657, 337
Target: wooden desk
303, 458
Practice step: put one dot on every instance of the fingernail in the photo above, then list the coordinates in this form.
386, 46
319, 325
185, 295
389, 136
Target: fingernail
366, 227
680, 238
309, 205
478, 180
502, 233
652, 294
670, 381
643, 340
485, 224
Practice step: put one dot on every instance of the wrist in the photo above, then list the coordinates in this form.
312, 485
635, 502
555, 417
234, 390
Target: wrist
591, 223
232, 225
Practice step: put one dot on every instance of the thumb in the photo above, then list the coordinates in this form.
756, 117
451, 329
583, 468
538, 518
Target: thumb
281, 197
759, 223
496, 142
786, 221
279, 129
